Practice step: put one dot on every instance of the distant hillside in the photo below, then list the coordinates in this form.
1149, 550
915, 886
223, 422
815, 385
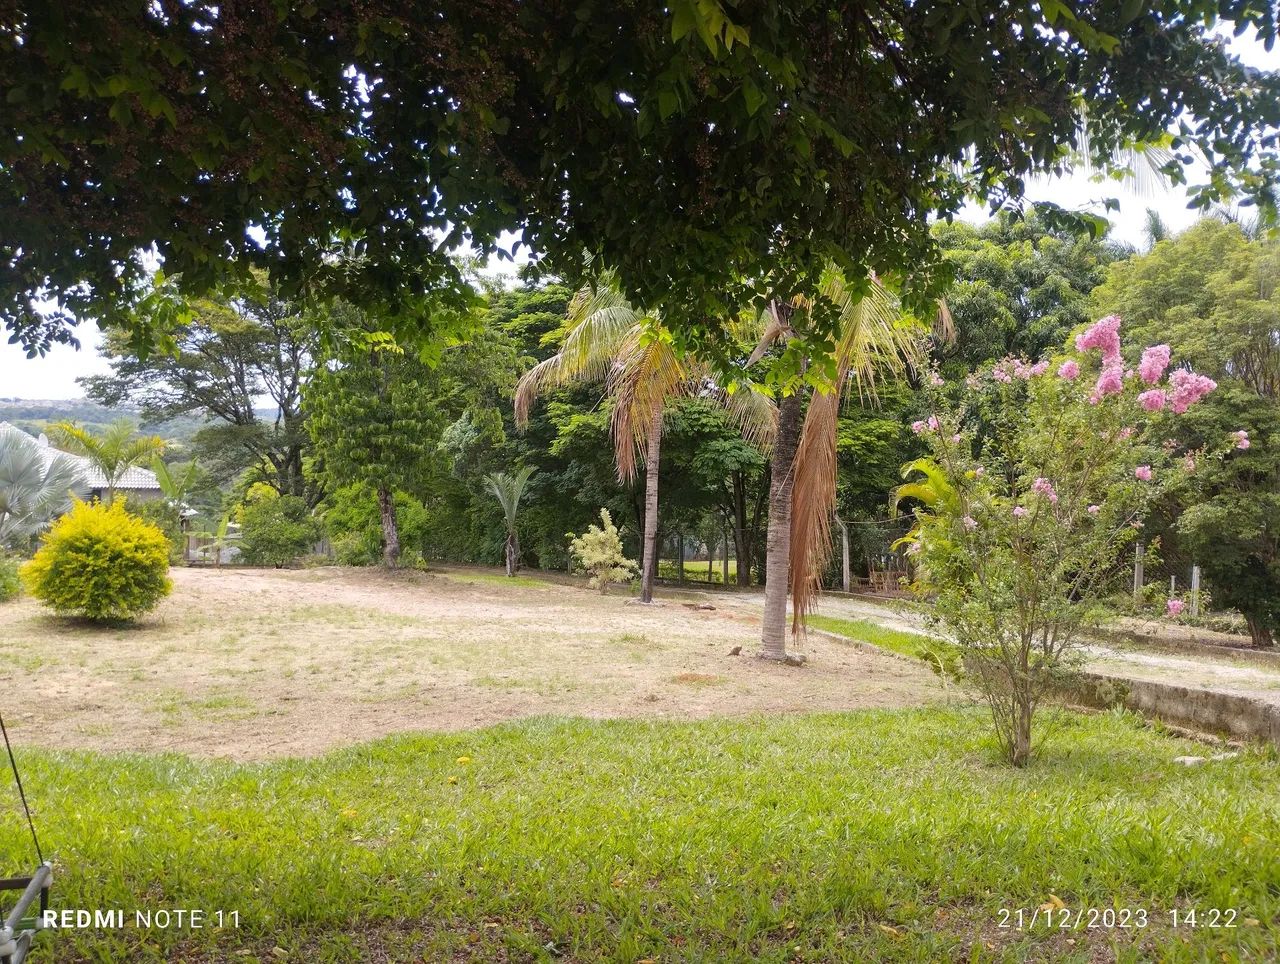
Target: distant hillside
36, 415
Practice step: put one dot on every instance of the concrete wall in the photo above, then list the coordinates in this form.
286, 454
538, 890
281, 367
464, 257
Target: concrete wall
1201, 709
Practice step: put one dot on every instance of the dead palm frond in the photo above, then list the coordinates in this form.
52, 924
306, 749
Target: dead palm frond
873, 341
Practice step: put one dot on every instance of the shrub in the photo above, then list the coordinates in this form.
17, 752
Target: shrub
275, 530
102, 563
1036, 485
599, 552
10, 583
354, 526
166, 517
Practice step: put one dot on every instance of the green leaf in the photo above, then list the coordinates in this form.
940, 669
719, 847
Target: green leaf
753, 97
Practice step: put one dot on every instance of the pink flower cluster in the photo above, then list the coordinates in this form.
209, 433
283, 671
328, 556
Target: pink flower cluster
1143, 472
1153, 400
1068, 370
1185, 387
1174, 607
1242, 439
1007, 369
1105, 336
1154, 361
1044, 487
1188, 388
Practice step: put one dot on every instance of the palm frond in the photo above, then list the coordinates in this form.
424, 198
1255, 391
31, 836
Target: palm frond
645, 376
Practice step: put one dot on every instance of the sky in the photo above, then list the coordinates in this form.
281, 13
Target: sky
54, 375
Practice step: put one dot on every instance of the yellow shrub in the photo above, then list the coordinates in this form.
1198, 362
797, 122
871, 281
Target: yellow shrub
101, 563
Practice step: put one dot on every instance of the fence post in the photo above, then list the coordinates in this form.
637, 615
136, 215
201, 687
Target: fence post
1195, 590
1173, 585
844, 552
1137, 573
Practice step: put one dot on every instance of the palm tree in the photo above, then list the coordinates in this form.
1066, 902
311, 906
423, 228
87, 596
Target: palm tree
175, 481
113, 453
508, 490
36, 485
605, 337
873, 340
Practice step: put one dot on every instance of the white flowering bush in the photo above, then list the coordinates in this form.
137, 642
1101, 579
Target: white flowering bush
599, 552
1036, 485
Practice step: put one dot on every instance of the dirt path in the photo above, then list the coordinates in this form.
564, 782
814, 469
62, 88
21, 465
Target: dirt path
252, 663
1226, 672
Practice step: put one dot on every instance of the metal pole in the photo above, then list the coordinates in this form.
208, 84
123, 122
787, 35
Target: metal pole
1195, 590
1137, 573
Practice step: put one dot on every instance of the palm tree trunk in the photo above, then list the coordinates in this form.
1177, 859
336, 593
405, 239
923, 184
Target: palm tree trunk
511, 552
778, 544
390, 531
649, 564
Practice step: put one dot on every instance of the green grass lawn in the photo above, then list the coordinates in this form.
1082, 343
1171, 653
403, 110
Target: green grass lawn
943, 656
861, 836
697, 571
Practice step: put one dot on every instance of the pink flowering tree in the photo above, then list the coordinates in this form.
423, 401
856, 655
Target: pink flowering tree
1036, 484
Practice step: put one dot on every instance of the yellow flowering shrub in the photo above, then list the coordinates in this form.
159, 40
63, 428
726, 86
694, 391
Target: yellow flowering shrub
101, 563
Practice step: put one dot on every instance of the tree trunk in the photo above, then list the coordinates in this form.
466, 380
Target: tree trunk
649, 563
724, 563
777, 583
680, 556
511, 552
1020, 751
741, 547
1259, 632
390, 532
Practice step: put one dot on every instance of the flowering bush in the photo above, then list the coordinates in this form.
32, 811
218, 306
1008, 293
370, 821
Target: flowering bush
1035, 485
599, 552
102, 563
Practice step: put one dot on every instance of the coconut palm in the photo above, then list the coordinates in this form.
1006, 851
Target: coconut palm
873, 341
36, 485
113, 453
605, 337
508, 490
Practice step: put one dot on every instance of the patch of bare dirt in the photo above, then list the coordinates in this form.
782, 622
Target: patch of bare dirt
250, 663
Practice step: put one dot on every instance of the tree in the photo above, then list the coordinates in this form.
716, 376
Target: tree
1021, 533
752, 139
508, 490
114, 452
276, 529
374, 421
177, 480
873, 342
599, 551
605, 338
1020, 287
232, 350
1212, 295
34, 490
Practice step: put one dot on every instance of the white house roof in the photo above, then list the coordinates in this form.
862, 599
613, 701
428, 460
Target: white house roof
137, 479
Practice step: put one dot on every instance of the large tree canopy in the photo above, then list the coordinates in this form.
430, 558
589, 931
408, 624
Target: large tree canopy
753, 140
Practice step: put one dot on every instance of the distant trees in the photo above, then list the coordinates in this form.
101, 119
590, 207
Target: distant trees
1020, 287
1212, 294
240, 358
